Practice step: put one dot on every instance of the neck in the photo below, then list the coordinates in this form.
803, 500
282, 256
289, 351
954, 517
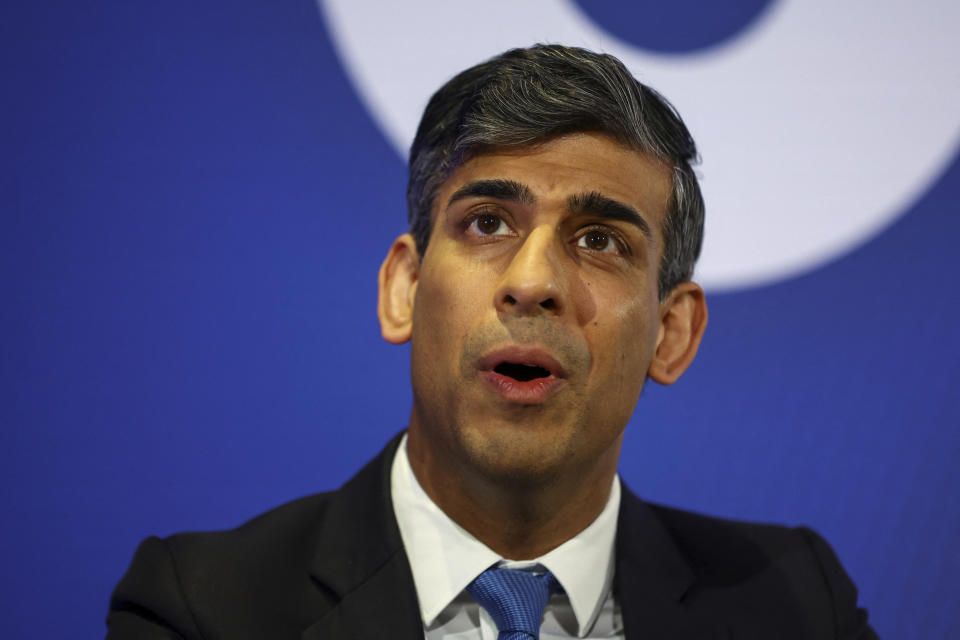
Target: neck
520, 517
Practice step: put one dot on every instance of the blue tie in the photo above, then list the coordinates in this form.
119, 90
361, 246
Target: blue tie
515, 600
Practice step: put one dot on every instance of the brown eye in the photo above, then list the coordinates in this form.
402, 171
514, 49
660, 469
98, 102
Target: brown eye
595, 241
488, 224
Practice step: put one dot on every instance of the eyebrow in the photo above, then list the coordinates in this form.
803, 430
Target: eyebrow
599, 205
509, 190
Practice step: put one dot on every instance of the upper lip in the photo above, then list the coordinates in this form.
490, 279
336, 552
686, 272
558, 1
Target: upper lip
531, 355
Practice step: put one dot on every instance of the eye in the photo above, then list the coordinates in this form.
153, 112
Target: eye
488, 224
598, 240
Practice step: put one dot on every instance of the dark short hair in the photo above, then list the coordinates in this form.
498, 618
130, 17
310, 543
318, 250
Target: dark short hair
526, 96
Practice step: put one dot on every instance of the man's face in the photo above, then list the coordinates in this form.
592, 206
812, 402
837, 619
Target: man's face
535, 309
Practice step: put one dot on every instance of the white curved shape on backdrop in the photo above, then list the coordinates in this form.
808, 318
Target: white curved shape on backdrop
818, 125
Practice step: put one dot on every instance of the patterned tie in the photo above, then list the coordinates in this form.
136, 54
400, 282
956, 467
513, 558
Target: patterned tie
515, 600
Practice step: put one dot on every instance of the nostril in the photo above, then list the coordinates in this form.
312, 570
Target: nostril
509, 299
549, 304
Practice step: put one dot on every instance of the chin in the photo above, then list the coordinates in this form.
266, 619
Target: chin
515, 453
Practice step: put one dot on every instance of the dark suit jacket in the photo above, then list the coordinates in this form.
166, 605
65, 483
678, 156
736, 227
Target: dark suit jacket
333, 566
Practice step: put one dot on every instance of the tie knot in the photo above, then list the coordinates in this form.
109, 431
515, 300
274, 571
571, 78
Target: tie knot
514, 599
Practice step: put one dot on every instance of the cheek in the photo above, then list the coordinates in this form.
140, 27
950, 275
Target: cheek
626, 334
627, 354
441, 314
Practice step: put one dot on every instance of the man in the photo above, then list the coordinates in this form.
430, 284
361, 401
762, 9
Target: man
555, 222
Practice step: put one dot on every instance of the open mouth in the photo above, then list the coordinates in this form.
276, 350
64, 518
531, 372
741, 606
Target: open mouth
521, 372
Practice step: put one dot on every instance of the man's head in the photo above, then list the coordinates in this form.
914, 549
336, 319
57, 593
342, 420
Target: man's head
554, 225
530, 95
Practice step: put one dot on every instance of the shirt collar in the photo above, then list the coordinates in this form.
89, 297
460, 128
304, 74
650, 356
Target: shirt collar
445, 557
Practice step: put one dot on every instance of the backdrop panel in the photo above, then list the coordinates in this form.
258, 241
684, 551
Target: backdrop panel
195, 197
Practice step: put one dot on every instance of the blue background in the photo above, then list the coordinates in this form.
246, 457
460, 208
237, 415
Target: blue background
193, 207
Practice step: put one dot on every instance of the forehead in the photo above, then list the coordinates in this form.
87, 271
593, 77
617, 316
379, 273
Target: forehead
580, 163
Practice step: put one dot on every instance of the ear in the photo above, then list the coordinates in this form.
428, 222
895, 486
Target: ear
397, 288
683, 318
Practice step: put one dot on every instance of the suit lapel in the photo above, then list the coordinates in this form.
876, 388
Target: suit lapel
652, 578
360, 560
379, 607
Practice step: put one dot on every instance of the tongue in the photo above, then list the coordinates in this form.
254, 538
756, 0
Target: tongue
521, 372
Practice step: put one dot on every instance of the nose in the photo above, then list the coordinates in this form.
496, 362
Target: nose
533, 280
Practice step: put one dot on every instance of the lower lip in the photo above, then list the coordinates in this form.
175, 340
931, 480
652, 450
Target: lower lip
522, 392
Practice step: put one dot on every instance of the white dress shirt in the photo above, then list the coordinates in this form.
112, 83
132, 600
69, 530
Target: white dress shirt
445, 558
